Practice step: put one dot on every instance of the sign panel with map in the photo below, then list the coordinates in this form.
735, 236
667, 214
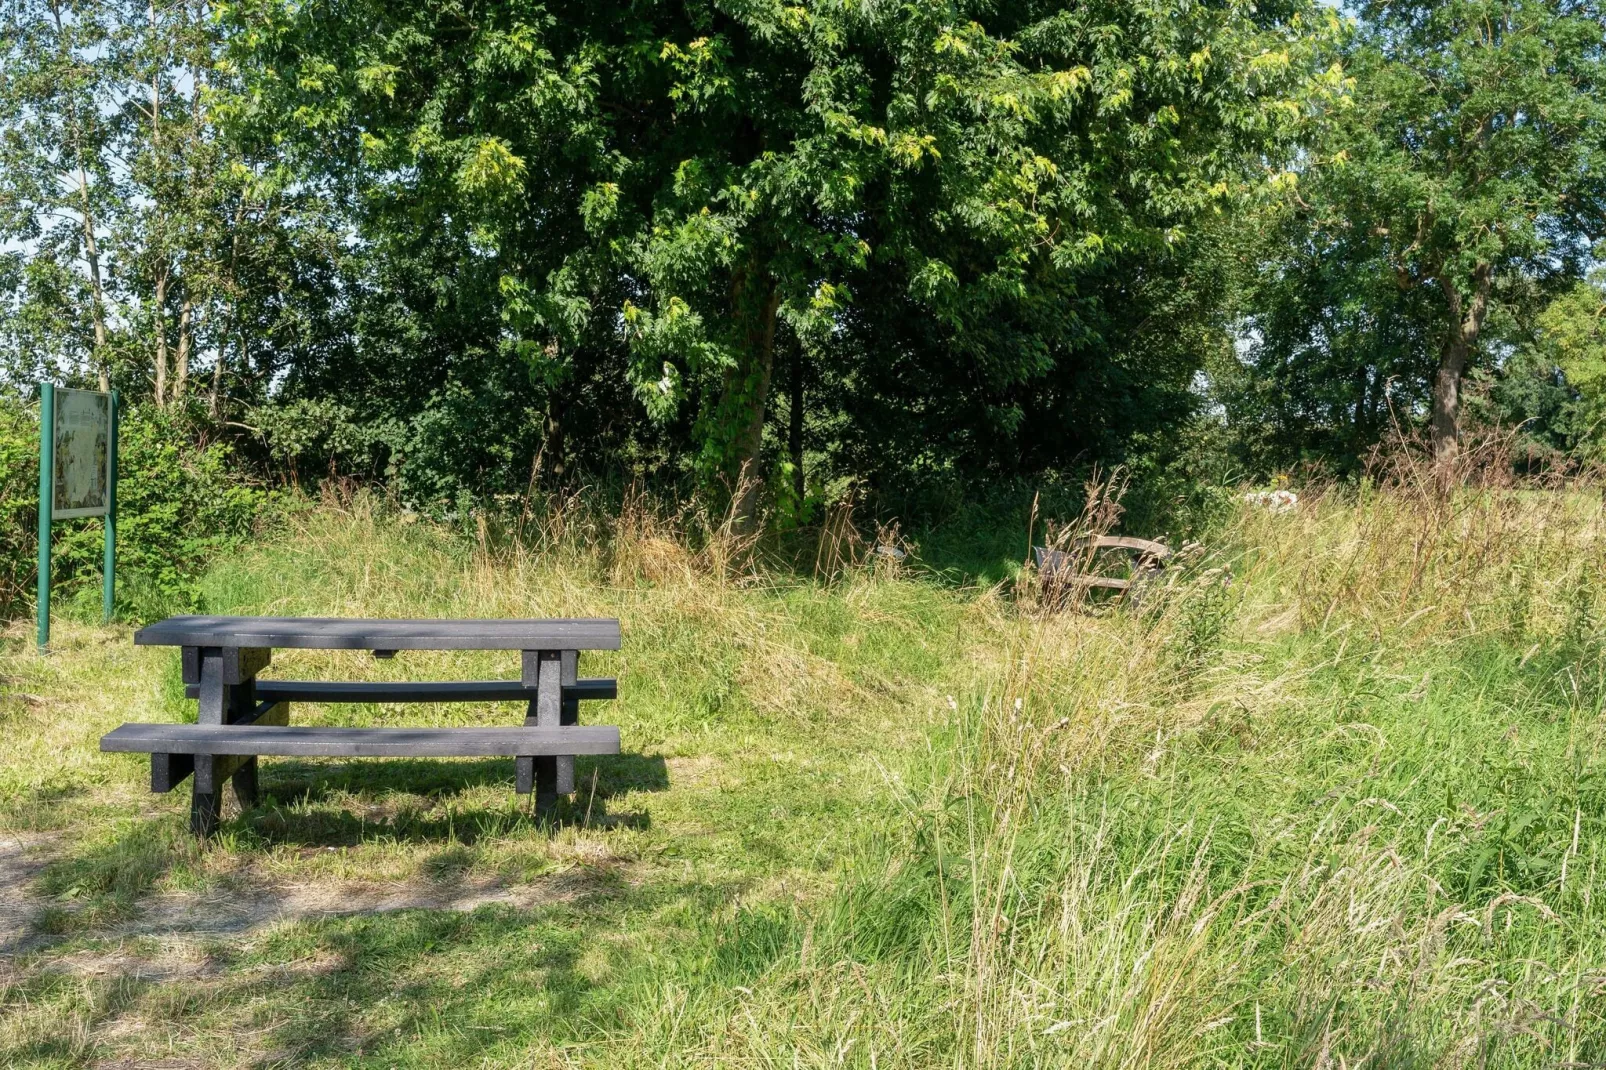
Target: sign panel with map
82, 453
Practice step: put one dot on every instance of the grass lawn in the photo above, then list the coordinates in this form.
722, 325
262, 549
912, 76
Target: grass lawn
1334, 798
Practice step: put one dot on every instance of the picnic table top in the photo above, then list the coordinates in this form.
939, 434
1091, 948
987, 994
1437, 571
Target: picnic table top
351, 633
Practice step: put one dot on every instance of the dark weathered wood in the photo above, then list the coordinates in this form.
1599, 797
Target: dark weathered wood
206, 807
548, 706
245, 784
546, 786
212, 771
168, 771
1061, 569
568, 714
360, 742
213, 694
239, 663
336, 633
240, 717
429, 691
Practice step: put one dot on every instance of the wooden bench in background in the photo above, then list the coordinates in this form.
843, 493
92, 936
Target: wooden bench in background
241, 717
1063, 571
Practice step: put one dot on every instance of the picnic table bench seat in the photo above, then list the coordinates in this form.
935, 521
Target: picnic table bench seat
1062, 571
361, 742
241, 717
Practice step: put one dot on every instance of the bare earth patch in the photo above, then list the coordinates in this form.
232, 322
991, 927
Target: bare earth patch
240, 912
22, 856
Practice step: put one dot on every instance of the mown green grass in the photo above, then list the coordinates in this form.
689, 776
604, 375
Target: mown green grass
1341, 806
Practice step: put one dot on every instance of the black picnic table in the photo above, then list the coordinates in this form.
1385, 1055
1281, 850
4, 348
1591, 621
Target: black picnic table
241, 716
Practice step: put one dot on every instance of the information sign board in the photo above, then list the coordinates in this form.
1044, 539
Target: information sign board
83, 477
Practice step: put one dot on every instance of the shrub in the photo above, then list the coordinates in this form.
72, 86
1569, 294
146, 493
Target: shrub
19, 504
179, 502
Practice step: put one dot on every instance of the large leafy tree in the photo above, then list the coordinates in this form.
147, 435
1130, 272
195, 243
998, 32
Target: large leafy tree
141, 238
60, 193
1470, 166
678, 189
1332, 349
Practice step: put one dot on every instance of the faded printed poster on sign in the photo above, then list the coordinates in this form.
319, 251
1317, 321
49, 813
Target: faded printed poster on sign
82, 452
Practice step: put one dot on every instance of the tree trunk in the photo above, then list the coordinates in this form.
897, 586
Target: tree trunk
1461, 337
1446, 419
163, 266
97, 292
181, 359
794, 423
214, 401
161, 337
746, 390
552, 443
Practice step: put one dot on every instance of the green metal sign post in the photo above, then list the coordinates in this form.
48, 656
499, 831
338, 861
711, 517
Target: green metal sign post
47, 483
108, 562
77, 477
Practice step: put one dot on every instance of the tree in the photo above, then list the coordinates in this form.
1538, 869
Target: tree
1571, 338
60, 193
1470, 154
1331, 349
691, 185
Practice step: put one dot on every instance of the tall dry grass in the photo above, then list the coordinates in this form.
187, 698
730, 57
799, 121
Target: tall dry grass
1332, 797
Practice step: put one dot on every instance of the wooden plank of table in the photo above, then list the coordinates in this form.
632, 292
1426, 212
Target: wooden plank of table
361, 742
239, 663
568, 714
1142, 547
343, 633
419, 691
537, 771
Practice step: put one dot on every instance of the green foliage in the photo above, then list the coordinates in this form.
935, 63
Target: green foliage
940, 211
19, 506
1446, 200
1571, 337
466, 250
180, 504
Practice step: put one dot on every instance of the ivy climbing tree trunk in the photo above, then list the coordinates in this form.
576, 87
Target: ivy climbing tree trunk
181, 358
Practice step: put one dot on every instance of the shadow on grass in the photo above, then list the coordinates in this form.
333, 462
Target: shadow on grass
98, 1000
490, 985
43, 806
413, 800
102, 881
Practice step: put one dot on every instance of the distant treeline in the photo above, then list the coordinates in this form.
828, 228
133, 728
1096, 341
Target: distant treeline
468, 246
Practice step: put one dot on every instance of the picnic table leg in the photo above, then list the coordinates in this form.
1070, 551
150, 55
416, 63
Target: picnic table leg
244, 781
227, 679
568, 713
543, 673
206, 802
